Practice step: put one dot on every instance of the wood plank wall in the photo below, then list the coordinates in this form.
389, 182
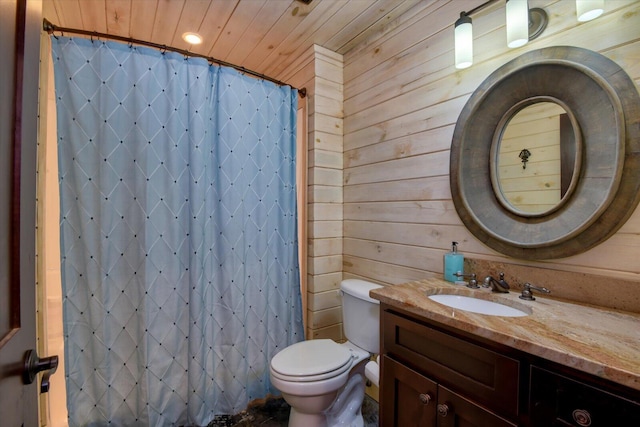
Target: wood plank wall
379, 204
532, 185
402, 98
320, 71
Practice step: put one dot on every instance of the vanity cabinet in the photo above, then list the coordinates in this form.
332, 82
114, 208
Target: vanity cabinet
431, 378
556, 400
434, 375
411, 399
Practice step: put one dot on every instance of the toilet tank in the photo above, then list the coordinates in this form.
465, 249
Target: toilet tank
361, 314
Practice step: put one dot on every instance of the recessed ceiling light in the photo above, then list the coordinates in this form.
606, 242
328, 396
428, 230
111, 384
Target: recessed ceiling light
192, 38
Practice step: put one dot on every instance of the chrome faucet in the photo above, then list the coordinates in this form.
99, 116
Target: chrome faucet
500, 285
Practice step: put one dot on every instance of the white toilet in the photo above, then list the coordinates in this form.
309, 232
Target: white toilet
324, 381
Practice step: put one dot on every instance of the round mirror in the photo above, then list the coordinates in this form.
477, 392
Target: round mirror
536, 157
602, 105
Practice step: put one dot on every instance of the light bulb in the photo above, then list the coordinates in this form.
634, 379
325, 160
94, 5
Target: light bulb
463, 34
589, 9
517, 23
192, 38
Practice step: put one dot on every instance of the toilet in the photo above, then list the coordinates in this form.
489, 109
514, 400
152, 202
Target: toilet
324, 381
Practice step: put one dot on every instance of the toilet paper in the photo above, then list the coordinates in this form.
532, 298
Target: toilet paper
372, 371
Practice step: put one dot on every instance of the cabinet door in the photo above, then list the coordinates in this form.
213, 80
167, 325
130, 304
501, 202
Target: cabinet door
408, 398
557, 401
456, 411
486, 376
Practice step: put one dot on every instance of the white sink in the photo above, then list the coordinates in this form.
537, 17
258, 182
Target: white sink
477, 305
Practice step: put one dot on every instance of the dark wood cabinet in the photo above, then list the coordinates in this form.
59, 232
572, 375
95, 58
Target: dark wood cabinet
435, 376
465, 384
411, 399
556, 400
457, 411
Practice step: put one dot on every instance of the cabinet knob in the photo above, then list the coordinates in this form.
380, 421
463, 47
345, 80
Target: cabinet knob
582, 417
443, 409
425, 398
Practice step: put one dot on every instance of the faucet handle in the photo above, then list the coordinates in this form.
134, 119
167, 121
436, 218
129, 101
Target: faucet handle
473, 281
528, 295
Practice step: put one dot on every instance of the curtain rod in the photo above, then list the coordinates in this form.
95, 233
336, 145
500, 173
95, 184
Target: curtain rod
50, 28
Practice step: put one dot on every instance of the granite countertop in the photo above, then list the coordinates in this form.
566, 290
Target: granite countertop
599, 341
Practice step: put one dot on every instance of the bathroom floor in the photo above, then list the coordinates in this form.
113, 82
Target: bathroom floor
274, 412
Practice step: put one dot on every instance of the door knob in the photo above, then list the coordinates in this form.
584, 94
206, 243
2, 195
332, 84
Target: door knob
425, 398
33, 364
443, 409
582, 417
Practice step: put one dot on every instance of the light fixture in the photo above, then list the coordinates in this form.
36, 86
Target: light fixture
523, 24
589, 9
463, 34
192, 38
517, 23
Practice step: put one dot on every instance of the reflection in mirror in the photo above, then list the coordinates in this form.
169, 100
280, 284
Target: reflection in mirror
535, 159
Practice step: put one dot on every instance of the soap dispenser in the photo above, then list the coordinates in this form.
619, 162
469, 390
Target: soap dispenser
453, 262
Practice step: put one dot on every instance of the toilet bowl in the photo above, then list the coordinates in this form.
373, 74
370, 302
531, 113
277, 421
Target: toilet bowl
324, 381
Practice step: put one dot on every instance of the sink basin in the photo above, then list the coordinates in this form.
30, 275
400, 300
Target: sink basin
477, 305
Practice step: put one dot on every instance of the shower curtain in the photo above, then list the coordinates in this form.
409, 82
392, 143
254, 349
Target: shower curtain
178, 233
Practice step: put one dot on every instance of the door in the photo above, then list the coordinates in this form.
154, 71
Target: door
457, 411
409, 398
20, 23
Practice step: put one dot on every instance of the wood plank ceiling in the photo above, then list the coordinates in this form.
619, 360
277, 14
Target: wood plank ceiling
265, 36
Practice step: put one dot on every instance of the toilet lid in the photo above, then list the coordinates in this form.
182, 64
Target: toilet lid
311, 358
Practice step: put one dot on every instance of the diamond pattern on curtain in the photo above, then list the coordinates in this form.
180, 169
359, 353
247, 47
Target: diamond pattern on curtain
178, 233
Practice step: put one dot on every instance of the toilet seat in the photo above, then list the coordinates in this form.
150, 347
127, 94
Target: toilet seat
313, 360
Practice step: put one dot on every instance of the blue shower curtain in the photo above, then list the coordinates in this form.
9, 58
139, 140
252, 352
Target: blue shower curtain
178, 233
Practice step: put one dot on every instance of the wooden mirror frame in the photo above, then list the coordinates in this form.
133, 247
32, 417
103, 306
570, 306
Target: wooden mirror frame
606, 106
